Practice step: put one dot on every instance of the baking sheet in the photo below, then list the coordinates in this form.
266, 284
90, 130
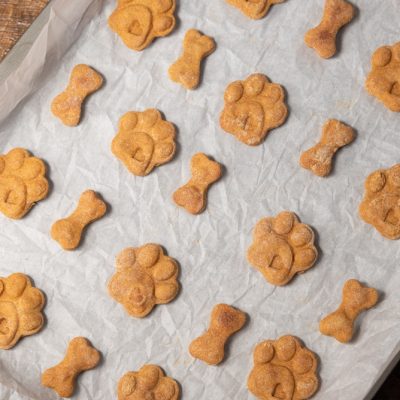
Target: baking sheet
211, 247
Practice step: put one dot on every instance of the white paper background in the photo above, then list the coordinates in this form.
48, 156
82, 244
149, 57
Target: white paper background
211, 247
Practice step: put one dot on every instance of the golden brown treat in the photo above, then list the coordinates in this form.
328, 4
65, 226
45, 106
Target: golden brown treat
22, 182
282, 247
149, 382
283, 369
81, 356
322, 39
145, 277
67, 106
380, 206
144, 141
139, 22
254, 9
20, 309
319, 158
224, 322
186, 70
383, 81
68, 231
252, 108
193, 195
356, 298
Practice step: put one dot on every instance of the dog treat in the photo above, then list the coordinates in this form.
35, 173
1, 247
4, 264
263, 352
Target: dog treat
356, 298
282, 247
149, 382
383, 81
81, 356
20, 309
252, 108
322, 39
22, 182
144, 141
254, 9
224, 322
67, 106
145, 277
319, 158
68, 231
193, 195
186, 70
380, 206
283, 369
139, 22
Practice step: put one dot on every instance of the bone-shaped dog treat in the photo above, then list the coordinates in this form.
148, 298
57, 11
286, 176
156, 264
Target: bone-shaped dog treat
67, 106
186, 70
224, 322
193, 195
319, 158
81, 356
68, 231
254, 9
322, 38
356, 298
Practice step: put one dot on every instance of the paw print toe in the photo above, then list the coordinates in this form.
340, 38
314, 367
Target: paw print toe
282, 247
252, 108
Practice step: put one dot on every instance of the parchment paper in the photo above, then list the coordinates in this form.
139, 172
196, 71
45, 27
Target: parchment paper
211, 247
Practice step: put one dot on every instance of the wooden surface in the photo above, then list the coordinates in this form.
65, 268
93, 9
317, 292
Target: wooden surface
15, 18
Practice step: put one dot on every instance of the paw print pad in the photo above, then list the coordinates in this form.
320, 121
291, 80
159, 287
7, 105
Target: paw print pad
22, 182
144, 141
252, 108
283, 369
139, 22
145, 277
150, 383
282, 247
20, 309
380, 206
383, 81
254, 9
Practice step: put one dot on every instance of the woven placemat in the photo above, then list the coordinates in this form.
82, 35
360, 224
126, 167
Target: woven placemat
16, 16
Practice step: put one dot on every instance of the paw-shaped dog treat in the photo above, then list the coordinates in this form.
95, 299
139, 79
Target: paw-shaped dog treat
67, 106
282, 247
22, 182
186, 70
81, 356
380, 206
383, 81
193, 195
224, 322
254, 9
319, 158
144, 141
356, 298
322, 39
20, 309
145, 277
252, 108
139, 22
150, 383
283, 369
68, 231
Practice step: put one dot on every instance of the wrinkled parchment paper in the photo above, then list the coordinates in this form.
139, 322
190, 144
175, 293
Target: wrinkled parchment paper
211, 247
